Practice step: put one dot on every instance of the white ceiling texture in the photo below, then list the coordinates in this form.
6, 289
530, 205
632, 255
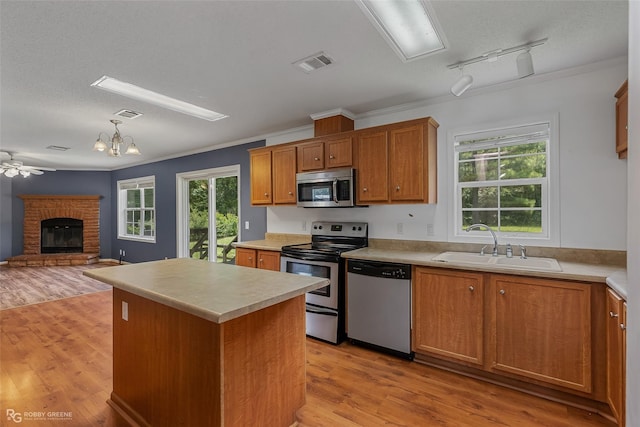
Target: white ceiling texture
235, 57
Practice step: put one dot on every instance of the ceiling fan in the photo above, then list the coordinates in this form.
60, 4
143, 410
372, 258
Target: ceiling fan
13, 168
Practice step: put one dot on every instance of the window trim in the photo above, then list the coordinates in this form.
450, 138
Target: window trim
129, 184
550, 195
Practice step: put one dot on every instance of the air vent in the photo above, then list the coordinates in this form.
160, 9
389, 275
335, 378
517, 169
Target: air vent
128, 114
58, 148
314, 62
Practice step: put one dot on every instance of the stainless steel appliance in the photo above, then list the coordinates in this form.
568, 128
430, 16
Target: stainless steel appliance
321, 258
326, 189
379, 308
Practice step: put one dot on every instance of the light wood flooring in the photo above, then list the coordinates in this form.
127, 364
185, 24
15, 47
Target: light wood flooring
56, 356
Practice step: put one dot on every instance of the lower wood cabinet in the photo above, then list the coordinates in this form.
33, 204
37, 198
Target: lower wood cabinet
616, 355
448, 314
266, 260
541, 329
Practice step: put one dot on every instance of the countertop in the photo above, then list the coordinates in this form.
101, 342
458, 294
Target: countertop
570, 270
213, 291
618, 282
274, 242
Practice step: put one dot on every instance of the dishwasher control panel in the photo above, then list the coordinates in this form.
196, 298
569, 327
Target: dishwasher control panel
380, 269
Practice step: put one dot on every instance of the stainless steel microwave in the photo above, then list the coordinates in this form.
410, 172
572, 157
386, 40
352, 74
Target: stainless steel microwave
326, 189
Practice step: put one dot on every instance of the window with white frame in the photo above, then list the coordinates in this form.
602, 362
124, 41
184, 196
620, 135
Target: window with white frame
136, 209
502, 179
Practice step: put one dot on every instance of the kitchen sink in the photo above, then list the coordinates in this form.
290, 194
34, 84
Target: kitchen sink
532, 263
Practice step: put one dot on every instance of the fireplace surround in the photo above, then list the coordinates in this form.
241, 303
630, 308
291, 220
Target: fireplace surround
39, 208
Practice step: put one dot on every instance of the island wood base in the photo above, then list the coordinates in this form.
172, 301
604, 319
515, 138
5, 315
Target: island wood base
172, 368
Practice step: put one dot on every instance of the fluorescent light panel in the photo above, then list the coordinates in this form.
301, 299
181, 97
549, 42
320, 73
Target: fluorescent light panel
135, 92
409, 26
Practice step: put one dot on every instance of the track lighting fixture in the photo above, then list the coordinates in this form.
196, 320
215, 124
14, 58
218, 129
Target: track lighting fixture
524, 63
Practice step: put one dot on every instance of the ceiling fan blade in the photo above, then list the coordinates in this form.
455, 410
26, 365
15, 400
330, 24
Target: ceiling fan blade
32, 168
35, 172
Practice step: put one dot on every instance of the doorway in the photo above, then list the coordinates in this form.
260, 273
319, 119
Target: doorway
208, 214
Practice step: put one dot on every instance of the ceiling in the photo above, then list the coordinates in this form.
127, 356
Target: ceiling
235, 57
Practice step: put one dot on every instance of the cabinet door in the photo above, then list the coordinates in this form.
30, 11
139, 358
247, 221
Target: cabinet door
284, 175
623, 387
246, 257
310, 156
261, 177
448, 314
269, 260
406, 164
614, 353
622, 123
372, 169
339, 153
541, 329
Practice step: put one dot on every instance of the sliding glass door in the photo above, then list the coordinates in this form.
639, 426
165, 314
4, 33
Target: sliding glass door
208, 212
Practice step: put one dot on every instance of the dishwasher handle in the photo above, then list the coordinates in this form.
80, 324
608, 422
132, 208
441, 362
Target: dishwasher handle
379, 269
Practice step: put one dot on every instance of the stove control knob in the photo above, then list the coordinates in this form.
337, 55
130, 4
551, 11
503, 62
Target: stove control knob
320, 227
359, 228
354, 228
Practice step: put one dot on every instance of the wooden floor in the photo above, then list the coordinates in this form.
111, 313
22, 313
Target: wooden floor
56, 357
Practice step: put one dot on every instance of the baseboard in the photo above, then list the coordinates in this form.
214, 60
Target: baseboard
4, 262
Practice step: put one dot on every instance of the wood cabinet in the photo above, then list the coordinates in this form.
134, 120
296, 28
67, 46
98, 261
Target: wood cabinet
338, 152
284, 175
266, 260
372, 169
398, 163
541, 329
325, 153
448, 314
260, 161
310, 156
616, 355
622, 121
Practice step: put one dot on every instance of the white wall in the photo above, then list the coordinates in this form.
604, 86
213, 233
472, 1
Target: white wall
592, 179
633, 250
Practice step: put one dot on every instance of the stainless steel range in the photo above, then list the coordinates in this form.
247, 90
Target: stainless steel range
321, 258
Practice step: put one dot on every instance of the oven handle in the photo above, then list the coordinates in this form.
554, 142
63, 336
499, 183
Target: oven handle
335, 190
324, 312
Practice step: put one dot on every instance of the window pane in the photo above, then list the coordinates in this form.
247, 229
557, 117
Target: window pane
532, 148
481, 169
521, 221
480, 197
489, 218
148, 197
148, 223
521, 196
534, 166
133, 223
133, 198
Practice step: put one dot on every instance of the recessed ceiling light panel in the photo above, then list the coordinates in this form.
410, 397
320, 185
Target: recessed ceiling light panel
136, 92
409, 26
128, 114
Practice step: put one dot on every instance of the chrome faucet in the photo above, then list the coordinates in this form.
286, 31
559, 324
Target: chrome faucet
494, 252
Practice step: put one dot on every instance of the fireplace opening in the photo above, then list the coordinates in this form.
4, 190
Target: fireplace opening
61, 235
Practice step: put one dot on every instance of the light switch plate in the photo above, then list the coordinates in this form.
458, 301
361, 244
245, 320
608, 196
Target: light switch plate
125, 310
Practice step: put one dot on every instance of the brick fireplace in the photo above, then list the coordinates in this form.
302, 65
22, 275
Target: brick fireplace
38, 208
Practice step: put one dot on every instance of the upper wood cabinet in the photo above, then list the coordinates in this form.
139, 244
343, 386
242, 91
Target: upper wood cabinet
338, 152
372, 180
310, 156
616, 355
622, 121
284, 175
448, 314
406, 161
260, 161
541, 329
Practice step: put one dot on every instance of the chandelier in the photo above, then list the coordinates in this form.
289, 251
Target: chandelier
113, 143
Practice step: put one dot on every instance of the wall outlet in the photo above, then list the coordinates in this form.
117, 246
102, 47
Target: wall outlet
125, 311
246, 225
430, 231
124, 253
400, 228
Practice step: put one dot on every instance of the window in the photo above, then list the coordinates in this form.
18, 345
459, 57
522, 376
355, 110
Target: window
502, 179
136, 209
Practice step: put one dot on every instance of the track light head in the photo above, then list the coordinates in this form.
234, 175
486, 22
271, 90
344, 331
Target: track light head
463, 83
524, 63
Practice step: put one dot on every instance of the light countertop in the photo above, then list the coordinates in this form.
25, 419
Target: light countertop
618, 282
213, 291
570, 270
274, 241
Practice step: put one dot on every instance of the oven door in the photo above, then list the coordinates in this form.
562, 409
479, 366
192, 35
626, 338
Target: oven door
326, 296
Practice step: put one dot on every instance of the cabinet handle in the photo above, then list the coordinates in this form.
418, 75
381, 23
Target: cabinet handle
260, 260
316, 159
502, 292
331, 156
365, 189
622, 326
397, 188
250, 258
290, 193
266, 194
612, 314
471, 288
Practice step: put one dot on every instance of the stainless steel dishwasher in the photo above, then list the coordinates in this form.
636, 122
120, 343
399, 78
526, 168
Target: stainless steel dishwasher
379, 306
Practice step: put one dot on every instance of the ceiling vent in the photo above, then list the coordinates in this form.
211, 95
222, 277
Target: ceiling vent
57, 148
314, 62
128, 114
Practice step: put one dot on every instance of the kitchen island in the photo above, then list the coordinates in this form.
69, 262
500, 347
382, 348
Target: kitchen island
200, 343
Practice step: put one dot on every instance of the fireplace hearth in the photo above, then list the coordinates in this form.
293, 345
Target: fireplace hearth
61, 236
